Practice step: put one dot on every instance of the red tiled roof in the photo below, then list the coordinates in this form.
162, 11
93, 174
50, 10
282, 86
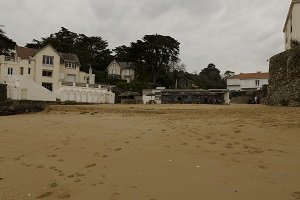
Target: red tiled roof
258, 75
25, 53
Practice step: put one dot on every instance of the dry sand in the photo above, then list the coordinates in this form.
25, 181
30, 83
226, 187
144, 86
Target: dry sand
152, 152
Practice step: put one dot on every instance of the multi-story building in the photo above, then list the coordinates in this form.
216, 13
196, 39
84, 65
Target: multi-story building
121, 70
247, 81
46, 74
292, 25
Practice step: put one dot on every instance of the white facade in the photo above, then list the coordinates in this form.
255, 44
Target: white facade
45, 75
251, 81
121, 70
152, 95
292, 25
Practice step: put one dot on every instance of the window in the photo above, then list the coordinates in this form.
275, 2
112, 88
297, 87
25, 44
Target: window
71, 65
47, 73
48, 86
21, 70
10, 71
29, 70
256, 82
48, 60
29, 61
114, 71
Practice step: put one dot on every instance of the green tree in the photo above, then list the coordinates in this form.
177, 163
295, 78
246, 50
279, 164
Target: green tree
210, 78
6, 44
228, 74
91, 51
154, 55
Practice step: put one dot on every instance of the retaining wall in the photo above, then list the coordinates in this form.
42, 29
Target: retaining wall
284, 83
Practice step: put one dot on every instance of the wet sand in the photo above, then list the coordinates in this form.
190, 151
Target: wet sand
151, 152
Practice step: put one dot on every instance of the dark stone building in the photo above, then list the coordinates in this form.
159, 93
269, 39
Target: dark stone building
284, 83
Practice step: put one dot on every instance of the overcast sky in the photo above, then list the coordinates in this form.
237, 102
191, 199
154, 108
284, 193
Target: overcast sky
237, 35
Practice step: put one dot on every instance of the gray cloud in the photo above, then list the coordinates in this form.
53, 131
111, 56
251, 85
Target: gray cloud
235, 35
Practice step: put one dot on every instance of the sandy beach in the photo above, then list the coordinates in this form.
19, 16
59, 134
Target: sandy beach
151, 152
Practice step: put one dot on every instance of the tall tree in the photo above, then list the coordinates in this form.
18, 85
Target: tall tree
210, 78
6, 44
154, 54
228, 74
91, 51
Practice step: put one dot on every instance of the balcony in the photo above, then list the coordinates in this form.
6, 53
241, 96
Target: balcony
9, 60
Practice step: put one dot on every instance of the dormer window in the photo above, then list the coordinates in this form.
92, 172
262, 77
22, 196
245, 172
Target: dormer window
70, 65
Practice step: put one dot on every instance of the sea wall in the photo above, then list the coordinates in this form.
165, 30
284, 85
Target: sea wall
284, 83
12, 107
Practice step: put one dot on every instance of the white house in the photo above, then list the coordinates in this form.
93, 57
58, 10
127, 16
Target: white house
292, 24
121, 70
247, 81
47, 75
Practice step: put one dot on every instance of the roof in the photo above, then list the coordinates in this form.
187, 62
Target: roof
25, 53
68, 57
258, 75
129, 93
185, 79
126, 65
289, 13
193, 91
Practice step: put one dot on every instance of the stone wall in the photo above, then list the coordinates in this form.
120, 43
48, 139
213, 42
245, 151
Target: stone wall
284, 83
3, 92
12, 107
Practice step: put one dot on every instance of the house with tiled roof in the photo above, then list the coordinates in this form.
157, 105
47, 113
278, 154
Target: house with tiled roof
247, 81
47, 75
291, 27
121, 70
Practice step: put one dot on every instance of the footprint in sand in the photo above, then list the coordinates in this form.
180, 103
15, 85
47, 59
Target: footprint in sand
237, 131
18, 157
77, 180
118, 149
262, 167
184, 144
296, 195
63, 195
53, 185
79, 174
91, 165
44, 195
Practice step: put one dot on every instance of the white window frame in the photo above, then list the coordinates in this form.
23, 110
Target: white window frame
257, 83
48, 60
